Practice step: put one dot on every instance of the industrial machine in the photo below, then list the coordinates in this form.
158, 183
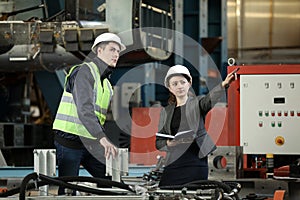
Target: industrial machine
39, 41
263, 106
53, 42
264, 120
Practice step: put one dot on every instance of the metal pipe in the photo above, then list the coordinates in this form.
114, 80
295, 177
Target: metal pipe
239, 27
271, 27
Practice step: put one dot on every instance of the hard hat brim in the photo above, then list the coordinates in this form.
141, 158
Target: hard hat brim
122, 46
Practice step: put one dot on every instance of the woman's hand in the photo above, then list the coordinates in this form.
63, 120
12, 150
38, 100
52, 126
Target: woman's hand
171, 143
229, 78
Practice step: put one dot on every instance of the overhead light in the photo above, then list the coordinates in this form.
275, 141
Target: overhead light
18, 58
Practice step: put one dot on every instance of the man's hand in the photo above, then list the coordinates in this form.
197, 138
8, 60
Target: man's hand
109, 148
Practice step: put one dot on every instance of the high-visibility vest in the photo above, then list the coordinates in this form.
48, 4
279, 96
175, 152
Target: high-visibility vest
66, 118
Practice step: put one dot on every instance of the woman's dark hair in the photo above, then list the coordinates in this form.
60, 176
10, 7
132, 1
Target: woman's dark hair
187, 77
172, 98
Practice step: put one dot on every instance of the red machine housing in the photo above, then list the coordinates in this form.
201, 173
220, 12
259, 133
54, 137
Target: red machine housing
234, 93
222, 122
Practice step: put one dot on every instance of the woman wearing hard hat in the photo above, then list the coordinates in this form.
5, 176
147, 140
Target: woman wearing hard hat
78, 126
183, 118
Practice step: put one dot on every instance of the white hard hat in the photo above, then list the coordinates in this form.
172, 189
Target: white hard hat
177, 70
108, 37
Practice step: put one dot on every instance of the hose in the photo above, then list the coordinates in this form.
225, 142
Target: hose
17, 189
41, 180
235, 189
56, 181
99, 181
62, 181
234, 185
200, 184
230, 189
23, 187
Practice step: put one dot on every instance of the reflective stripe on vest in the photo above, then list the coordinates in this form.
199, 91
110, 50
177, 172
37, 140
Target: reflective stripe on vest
67, 118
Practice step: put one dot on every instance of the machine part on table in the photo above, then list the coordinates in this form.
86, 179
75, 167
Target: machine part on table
269, 165
226, 163
115, 190
45, 163
295, 169
118, 166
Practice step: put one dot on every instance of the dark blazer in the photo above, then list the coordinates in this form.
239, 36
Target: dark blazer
196, 110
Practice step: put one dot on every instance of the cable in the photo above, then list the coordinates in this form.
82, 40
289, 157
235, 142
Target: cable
230, 189
235, 189
23, 187
62, 181
17, 189
75, 187
200, 184
99, 181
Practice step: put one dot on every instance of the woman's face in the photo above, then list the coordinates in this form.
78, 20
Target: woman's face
179, 86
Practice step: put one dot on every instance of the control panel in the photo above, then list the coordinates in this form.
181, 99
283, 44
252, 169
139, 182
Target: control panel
270, 113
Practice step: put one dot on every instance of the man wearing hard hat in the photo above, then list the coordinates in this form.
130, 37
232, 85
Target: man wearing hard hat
80, 138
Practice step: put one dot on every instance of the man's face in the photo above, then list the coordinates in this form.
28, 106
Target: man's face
109, 54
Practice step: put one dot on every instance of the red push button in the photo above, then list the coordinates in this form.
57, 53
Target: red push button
273, 113
279, 113
292, 113
279, 140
